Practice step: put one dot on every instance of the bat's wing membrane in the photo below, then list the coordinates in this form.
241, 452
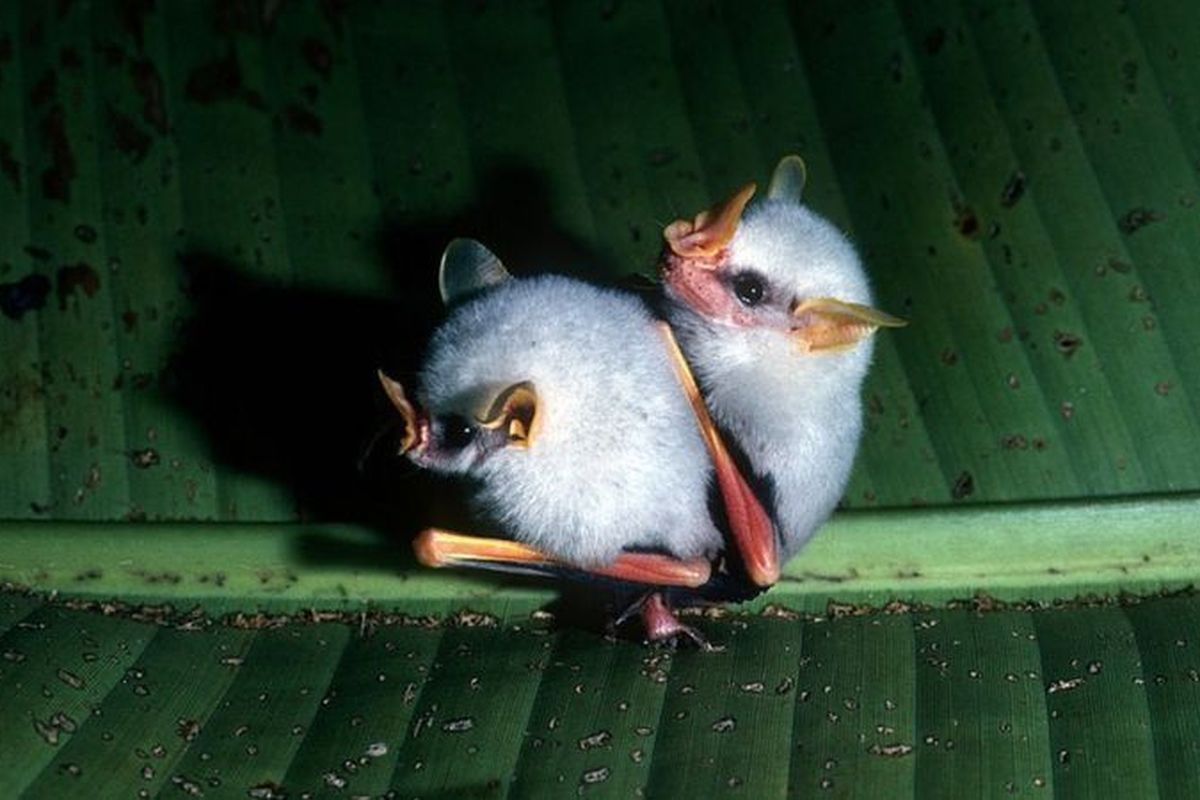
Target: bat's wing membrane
751, 527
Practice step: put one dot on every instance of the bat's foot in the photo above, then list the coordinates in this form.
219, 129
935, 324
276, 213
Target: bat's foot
662, 626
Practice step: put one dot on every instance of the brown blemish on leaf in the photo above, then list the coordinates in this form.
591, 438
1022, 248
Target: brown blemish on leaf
69, 58
45, 89
317, 56
934, 40
132, 16
144, 458
56, 179
966, 222
79, 276
216, 80
9, 165
148, 83
1013, 190
1137, 218
27, 294
1014, 441
301, 120
128, 137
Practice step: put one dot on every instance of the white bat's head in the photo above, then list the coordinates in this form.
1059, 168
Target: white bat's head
778, 282
458, 435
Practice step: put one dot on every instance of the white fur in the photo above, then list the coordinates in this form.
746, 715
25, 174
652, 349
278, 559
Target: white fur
798, 416
618, 460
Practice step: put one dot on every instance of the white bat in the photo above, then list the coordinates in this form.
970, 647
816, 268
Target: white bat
561, 403
773, 311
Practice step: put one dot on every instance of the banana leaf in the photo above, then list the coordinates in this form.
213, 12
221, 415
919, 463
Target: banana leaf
217, 219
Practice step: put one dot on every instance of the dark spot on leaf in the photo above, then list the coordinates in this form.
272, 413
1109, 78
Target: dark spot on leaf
949, 357
1162, 388
145, 458
217, 80
317, 56
964, 486
333, 11
965, 221
148, 83
1013, 190
1014, 441
934, 40
301, 120
27, 294
9, 165
80, 276
1137, 218
1067, 343
45, 89
56, 179
85, 233
130, 320
128, 137
69, 58
132, 16
890, 750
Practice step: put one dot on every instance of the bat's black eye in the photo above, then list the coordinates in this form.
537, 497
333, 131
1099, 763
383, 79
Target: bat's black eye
749, 288
457, 432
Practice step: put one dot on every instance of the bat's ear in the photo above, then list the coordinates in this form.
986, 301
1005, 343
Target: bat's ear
408, 412
467, 266
516, 411
826, 325
711, 230
788, 181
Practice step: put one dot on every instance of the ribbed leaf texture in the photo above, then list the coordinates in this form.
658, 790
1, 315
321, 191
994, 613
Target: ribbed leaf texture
218, 218
1065, 702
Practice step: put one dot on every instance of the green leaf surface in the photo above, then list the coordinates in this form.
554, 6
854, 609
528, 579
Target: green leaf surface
1020, 180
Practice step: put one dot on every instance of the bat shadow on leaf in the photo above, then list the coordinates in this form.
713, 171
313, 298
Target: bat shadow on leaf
281, 377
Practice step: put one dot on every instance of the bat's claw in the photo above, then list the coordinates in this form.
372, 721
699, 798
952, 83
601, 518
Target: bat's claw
661, 625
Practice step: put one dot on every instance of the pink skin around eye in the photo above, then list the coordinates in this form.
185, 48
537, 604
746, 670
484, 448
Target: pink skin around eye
698, 283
